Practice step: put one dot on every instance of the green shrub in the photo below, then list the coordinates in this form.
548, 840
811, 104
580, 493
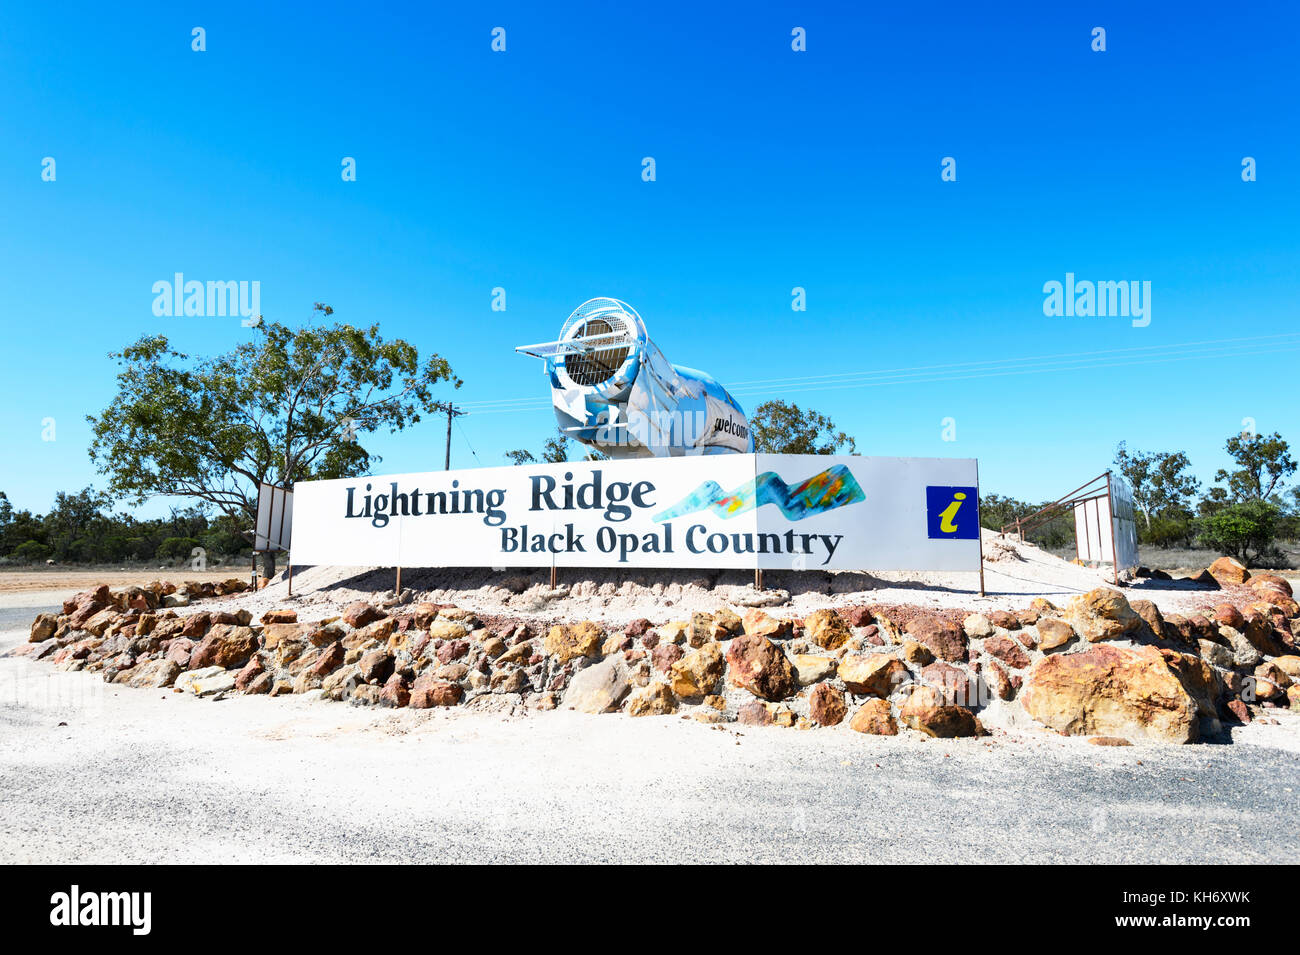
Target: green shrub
1166, 531
1246, 531
31, 552
176, 548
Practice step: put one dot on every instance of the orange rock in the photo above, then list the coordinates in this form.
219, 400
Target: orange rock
874, 674
1228, 570
926, 712
874, 717
1111, 691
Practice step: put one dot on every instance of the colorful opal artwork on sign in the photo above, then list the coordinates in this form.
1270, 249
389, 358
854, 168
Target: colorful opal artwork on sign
832, 488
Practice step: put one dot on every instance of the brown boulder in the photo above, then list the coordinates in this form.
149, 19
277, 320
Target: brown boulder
1053, 633
1111, 691
262, 683
179, 650
375, 666
872, 674
810, 668
1150, 615
758, 713
754, 713
856, 616
329, 660
917, 653
1274, 582
926, 711
946, 639
1008, 651
224, 646
196, 624
1228, 615
703, 629
251, 671
1202, 682
396, 692
826, 705
1290, 665
43, 627
1262, 636
759, 623
429, 692
280, 616
513, 680
953, 682
1228, 570
360, 613
874, 718
85, 610
155, 673
665, 655
1277, 603
1004, 619
274, 634
758, 665
333, 633
1000, 684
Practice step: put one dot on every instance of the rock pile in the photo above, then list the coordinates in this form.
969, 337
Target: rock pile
1101, 666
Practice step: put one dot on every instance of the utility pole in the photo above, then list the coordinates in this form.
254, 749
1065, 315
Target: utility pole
452, 412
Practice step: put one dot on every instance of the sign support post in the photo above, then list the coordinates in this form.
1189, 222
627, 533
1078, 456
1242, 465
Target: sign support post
980, 526
1110, 509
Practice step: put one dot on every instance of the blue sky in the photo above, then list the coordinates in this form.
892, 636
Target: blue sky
775, 169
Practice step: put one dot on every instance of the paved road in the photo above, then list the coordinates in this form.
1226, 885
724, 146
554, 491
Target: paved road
149, 775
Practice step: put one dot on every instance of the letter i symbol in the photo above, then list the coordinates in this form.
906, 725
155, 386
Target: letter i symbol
945, 519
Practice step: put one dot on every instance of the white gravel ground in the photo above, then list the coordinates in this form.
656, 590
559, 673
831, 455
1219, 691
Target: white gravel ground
92, 773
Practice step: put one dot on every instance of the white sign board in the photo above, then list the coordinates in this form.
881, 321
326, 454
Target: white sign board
274, 518
1093, 530
1105, 528
1124, 519
719, 511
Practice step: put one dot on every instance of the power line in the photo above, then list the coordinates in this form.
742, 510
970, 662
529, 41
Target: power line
461, 429
958, 371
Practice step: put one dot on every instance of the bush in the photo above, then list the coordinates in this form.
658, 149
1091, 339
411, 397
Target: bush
176, 548
1166, 531
31, 552
1246, 531
223, 542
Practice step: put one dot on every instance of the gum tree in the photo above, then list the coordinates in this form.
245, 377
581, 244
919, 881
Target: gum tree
288, 406
783, 428
1159, 480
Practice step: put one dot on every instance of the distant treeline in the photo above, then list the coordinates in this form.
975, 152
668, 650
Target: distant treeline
1248, 512
81, 528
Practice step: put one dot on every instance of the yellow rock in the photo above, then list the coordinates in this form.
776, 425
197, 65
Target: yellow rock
810, 668
827, 629
569, 641
653, 700
697, 673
